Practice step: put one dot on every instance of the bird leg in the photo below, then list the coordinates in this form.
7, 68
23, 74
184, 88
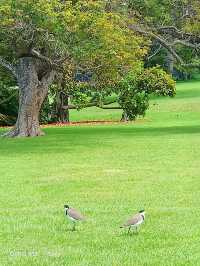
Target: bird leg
129, 229
74, 226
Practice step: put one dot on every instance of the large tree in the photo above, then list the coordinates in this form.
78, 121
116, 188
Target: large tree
38, 39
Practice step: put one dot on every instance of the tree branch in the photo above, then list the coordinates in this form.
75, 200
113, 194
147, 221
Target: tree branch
71, 106
53, 65
179, 34
8, 66
185, 43
196, 65
111, 107
36, 54
169, 46
48, 78
155, 53
158, 38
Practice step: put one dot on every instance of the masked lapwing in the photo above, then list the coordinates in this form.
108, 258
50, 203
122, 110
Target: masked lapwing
135, 221
73, 215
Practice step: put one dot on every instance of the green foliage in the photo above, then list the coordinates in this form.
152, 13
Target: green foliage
193, 22
134, 90
156, 81
132, 101
134, 104
8, 99
82, 33
80, 97
159, 12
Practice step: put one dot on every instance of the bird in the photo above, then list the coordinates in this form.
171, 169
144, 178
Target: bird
135, 221
73, 215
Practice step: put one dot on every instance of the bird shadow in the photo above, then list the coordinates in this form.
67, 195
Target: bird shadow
128, 234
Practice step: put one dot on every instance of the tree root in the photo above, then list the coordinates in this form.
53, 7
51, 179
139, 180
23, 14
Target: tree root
16, 133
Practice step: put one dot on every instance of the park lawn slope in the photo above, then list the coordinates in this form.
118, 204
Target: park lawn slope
108, 172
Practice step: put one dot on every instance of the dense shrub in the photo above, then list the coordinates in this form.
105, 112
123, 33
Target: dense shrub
134, 90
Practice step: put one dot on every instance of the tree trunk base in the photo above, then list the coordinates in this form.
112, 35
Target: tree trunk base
124, 117
17, 133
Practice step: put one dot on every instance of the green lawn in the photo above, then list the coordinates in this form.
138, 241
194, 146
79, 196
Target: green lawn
108, 172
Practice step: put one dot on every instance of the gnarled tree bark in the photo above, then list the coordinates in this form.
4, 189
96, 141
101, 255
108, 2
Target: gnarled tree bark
33, 78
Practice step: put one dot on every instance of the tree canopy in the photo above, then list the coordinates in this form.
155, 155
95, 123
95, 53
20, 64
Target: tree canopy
39, 39
83, 34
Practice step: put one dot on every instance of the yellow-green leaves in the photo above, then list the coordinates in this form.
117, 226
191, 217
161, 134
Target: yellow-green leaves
83, 30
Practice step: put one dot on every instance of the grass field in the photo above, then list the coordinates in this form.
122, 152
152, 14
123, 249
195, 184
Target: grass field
108, 172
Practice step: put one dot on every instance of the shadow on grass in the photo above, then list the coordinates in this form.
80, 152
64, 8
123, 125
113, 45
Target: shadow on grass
131, 234
72, 139
84, 132
64, 133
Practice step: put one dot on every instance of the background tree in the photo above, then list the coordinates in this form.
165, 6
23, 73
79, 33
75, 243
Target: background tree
172, 26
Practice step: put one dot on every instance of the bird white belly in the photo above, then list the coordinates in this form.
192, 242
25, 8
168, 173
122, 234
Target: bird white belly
71, 218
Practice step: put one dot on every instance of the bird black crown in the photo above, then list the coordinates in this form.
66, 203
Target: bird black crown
141, 211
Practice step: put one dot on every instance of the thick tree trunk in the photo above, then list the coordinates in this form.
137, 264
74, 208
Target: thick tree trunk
33, 87
124, 117
67, 111
62, 114
30, 101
